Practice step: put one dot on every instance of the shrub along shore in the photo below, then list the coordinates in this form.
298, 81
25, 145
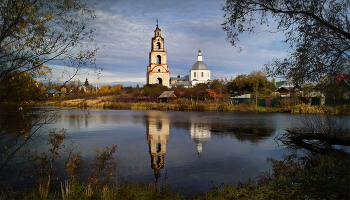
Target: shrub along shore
295, 177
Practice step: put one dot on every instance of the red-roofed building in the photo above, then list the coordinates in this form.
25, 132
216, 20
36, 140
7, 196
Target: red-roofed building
337, 86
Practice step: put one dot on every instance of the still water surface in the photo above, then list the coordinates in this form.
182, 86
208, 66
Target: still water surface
191, 149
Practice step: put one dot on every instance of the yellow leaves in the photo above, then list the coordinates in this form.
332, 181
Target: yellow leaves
30, 8
116, 88
44, 72
36, 84
5, 146
214, 94
48, 16
20, 108
49, 70
104, 89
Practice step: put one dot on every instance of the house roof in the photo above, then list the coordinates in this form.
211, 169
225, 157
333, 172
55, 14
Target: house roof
184, 78
280, 83
341, 77
52, 91
167, 94
185, 83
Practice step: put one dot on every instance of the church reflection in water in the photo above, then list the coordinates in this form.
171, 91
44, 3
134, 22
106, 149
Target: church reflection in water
200, 133
157, 130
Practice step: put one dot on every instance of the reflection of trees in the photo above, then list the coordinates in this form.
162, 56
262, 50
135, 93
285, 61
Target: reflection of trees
254, 134
19, 133
318, 133
157, 130
34, 34
253, 131
247, 127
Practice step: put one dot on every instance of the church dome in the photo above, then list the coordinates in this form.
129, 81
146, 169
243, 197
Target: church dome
200, 65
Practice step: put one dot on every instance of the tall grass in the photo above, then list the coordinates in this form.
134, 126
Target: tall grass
294, 177
72, 191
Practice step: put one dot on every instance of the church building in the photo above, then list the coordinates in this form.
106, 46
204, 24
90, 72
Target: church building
158, 70
199, 73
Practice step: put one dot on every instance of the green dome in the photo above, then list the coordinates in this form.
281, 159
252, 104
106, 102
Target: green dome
200, 65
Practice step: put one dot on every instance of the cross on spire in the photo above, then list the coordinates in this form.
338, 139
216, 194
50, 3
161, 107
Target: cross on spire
157, 22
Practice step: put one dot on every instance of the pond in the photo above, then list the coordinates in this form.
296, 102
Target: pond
190, 151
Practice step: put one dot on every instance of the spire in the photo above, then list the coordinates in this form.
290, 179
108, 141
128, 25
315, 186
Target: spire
157, 31
199, 55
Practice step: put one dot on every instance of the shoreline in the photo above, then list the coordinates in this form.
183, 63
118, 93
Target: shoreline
104, 103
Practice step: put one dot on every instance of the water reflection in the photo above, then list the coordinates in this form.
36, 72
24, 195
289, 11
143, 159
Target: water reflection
231, 146
157, 131
200, 133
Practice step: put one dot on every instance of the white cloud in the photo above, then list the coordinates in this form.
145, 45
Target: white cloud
126, 28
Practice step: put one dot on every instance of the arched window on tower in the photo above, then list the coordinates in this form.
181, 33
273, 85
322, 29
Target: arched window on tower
202, 74
194, 75
159, 59
159, 147
159, 81
158, 45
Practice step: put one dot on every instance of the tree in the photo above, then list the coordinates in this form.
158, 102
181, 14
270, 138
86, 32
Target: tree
334, 86
255, 82
219, 84
198, 92
214, 93
317, 32
104, 89
116, 89
34, 34
86, 83
23, 89
37, 32
153, 90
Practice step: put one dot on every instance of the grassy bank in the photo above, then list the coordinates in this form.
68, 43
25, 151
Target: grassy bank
294, 177
186, 105
75, 191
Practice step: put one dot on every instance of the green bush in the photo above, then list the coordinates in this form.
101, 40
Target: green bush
198, 108
223, 107
184, 107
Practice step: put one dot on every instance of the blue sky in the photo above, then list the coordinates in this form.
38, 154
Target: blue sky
125, 29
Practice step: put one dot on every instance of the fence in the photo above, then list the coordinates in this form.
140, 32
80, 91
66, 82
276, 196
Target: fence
134, 100
275, 101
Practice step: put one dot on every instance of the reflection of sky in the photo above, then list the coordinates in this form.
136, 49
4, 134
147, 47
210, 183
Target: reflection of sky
229, 154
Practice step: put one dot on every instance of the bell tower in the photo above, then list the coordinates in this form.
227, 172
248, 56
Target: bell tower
157, 70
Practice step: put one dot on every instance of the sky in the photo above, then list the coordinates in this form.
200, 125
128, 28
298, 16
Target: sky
124, 28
